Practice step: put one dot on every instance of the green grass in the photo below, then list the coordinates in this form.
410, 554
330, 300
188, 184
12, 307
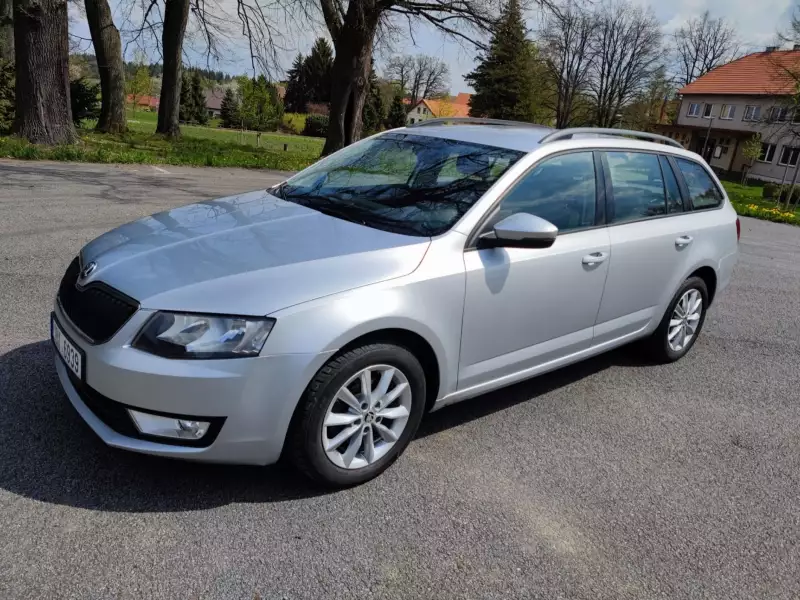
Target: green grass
198, 146
748, 200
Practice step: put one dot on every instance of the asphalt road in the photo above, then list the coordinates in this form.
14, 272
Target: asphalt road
610, 479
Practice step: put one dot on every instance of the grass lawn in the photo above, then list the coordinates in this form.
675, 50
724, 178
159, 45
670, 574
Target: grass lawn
748, 200
198, 146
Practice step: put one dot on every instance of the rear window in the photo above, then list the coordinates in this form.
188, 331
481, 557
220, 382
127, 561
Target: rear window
637, 184
703, 192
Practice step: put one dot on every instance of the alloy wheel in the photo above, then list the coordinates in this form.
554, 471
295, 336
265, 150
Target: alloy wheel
366, 417
685, 319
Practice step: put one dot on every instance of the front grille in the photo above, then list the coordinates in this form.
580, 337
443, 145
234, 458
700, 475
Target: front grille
98, 310
115, 415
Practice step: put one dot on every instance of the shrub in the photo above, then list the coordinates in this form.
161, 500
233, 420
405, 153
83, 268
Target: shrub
770, 190
85, 99
294, 122
316, 126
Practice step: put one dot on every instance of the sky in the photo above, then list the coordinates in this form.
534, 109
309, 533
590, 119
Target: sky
757, 22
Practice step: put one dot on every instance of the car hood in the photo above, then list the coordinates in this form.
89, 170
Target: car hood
250, 254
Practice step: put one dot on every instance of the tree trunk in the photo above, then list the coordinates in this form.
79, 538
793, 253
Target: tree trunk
176, 13
350, 74
42, 64
108, 50
6, 30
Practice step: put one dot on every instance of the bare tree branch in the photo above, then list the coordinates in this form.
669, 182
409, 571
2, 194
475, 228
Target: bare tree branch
702, 44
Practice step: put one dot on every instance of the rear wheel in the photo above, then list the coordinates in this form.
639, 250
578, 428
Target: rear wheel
682, 322
358, 414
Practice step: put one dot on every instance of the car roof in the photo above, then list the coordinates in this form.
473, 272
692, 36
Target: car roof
527, 138
522, 138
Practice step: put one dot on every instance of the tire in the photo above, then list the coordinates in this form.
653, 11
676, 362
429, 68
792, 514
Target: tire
309, 431
658, 344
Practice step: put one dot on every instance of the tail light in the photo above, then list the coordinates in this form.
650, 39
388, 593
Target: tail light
738, 229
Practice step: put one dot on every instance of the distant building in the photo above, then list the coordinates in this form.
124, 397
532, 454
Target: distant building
724, 108
144, 102
454, 106
214, 102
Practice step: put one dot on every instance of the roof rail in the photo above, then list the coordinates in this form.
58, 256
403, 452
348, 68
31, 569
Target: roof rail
565, 134
473, 121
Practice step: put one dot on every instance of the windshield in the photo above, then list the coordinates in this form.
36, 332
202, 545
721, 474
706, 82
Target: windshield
411, 184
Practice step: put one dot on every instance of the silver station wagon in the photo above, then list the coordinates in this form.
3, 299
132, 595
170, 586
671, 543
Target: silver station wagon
322, 318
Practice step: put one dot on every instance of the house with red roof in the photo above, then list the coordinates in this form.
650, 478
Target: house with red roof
454, 106
144, 102
753, 95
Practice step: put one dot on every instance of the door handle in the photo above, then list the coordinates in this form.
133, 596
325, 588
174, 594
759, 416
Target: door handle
684, 241
595, 258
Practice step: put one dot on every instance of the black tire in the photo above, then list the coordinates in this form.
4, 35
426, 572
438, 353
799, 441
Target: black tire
304, 442
657, 345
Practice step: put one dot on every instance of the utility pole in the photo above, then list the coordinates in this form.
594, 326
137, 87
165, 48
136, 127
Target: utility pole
708, 133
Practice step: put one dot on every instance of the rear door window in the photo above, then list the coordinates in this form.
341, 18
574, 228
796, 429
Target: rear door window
637, 184
703, 192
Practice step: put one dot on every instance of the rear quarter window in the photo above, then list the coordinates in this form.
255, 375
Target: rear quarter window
703, 192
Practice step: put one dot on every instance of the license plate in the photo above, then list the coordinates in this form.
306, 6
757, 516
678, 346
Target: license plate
69, 352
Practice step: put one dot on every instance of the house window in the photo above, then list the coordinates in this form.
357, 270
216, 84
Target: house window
796, 116
752, 112
424, 111
707, 110
779, 113
419, 110
767, 153
694, 110
412, 120
727, 111
789, 156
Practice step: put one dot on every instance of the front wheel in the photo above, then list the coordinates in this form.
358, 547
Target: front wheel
358, 414
682, 322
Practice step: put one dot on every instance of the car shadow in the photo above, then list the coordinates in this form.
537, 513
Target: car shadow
49, 454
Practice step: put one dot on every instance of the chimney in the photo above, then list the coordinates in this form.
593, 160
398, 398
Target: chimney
771, 48
796, 47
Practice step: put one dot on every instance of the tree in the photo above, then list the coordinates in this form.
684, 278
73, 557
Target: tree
651, 104
703, 44
397, 113
353, 26
751, 150
42, 72
186, 110
374, 113
229, 110
297, 93
6, 95
140, 84
259, 109
84, 99
200, 114
6, 30
108, 50
419, 76
565, 41
318, 67
626, 48
503, 80
176, 15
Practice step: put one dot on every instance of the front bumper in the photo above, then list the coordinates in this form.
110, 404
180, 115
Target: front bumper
252, 399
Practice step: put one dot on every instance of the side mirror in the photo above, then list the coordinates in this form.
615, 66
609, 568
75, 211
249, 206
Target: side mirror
520, 230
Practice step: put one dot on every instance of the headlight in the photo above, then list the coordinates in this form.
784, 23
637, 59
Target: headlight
176, 335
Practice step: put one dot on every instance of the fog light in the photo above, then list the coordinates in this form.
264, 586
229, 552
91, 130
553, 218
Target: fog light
149, 424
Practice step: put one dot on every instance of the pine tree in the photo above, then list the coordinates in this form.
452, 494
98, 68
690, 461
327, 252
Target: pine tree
318, 69
229, 110
186, 112
397, 113
504, 79
297, 86
199, 99
372, 115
